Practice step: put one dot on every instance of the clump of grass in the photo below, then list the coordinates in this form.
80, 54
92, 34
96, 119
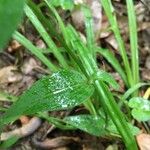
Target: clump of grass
96, 96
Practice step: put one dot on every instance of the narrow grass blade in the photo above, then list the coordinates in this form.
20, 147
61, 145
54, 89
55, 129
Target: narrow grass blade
89, 29
45, 36
109, 10
26, 43
133, 40
109, 56
115, 114
106, 77
133, 89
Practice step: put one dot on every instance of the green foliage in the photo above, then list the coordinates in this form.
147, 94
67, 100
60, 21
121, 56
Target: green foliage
131, 90
97, 125
61, 90
140, 108
109, 56
65, 4
66, 89
10, 15
8, 143
106, 77
88, 123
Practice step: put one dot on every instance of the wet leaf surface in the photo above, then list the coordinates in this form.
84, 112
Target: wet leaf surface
61, 90
88, 123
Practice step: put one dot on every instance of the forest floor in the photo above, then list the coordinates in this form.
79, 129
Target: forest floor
19, 70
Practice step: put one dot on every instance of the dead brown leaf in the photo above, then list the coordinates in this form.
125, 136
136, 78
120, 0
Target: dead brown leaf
55, 142
14, 46
28, 65
78, 16
143, 141
9, 74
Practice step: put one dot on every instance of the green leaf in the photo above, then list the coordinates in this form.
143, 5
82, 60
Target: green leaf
141, 108
89, 29
141, 115
88, 123
133, 89
111, 128
61, 90
10, 15
109, 56
9, 142
104, 76
139, 103
65, 4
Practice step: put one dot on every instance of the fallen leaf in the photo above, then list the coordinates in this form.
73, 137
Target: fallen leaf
143, 141
28, 65
14, 46
9, 74
55, 142
78, 16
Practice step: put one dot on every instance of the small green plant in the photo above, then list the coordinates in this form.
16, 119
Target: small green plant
77, 79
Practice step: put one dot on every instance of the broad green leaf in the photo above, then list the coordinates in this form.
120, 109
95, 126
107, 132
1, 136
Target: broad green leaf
88, 123
65, 4
10, 15
104, 76
139, 103
141, 108
61, 90
141, 115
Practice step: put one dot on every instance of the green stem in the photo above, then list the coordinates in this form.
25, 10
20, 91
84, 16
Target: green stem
106, 99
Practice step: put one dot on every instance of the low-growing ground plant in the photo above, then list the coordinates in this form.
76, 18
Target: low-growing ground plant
77, 79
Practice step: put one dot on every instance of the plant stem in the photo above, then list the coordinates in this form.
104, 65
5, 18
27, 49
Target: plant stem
106, 99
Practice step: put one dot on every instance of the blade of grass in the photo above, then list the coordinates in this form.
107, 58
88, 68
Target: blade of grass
106, 99
26, 43
107, 5
45, 21
45, 36
89, 65
89, 30
133, 89
109, 56
133, 41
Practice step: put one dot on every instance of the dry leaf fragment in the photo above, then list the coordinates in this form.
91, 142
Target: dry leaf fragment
143, 141
29, 65
78, 16
14, 46
55, 142
9, 74
24, 120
